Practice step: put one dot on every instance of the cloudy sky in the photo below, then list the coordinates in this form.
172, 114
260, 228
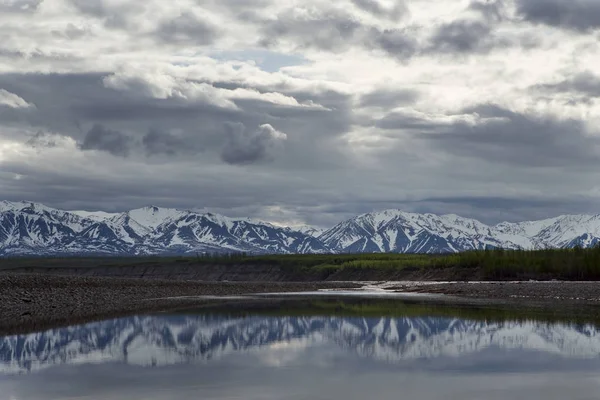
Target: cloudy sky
303, 111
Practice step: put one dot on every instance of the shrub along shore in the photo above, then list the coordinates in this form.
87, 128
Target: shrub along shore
560, 264
496, 264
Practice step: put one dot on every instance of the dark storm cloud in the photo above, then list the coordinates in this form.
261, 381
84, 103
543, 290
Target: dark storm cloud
371, 6
464, 37
494, 209
37, 55
61, 98
187, 28
11, 53
66, 103
336, 31
14, 109
518, 139
158, 142
585, 83
104, 139
388, 98
129, 185
578, 15
396, 42
247, 147
180, 152
316, 148
128, 109
487, 209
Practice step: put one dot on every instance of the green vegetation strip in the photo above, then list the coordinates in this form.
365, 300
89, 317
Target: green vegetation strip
497, 264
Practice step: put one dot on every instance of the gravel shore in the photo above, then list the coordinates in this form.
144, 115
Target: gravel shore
34, 302
531, 291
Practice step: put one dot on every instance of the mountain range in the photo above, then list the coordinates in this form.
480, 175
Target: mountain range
166, 340
28, 228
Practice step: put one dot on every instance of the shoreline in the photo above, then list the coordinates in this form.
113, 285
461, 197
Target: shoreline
37, 302
580, 292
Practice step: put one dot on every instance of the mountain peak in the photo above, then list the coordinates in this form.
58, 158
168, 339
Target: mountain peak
309, 230
23, 205
95, 215
152, 216
146, 230
32, 228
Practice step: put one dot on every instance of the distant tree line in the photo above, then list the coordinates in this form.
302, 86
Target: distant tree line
221, 256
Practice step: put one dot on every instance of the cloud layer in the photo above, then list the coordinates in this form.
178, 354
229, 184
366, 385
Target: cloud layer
302, 112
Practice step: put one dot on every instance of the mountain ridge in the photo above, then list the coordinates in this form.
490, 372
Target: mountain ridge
29, 228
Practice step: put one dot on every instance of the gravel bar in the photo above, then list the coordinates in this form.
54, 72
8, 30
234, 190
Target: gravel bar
542, 291
36, 302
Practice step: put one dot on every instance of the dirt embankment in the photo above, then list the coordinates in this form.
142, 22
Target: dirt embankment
524, 292
253, 273
37, 296
32, 302
176, 271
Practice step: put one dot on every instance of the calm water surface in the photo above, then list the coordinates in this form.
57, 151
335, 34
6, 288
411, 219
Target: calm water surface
411, 354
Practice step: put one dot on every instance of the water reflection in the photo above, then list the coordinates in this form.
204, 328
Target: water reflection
291, 357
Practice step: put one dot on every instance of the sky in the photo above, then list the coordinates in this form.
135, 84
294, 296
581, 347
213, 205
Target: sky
302, 112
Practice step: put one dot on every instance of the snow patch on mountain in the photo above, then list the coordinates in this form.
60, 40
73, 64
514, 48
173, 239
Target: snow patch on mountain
309, 230
95, 215
398, 231
28, 228
151, 217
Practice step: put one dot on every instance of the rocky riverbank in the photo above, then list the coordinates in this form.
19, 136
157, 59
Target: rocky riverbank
31, 302
525, 292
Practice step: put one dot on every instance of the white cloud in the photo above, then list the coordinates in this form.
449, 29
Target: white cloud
176, 74
11, 100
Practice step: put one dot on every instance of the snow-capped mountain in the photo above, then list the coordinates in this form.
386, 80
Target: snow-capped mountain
34, 229
310, 230
166, 340
398, 231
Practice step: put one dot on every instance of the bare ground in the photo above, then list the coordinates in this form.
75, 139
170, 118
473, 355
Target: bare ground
548, 291
31, 302
34, 302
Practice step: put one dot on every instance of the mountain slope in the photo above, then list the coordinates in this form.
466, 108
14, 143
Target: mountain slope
33, 229
402, 232
397, 231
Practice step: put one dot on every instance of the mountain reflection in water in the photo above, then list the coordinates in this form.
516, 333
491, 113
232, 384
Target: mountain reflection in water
292, 357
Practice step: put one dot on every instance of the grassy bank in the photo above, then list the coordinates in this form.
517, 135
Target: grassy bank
563, 264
